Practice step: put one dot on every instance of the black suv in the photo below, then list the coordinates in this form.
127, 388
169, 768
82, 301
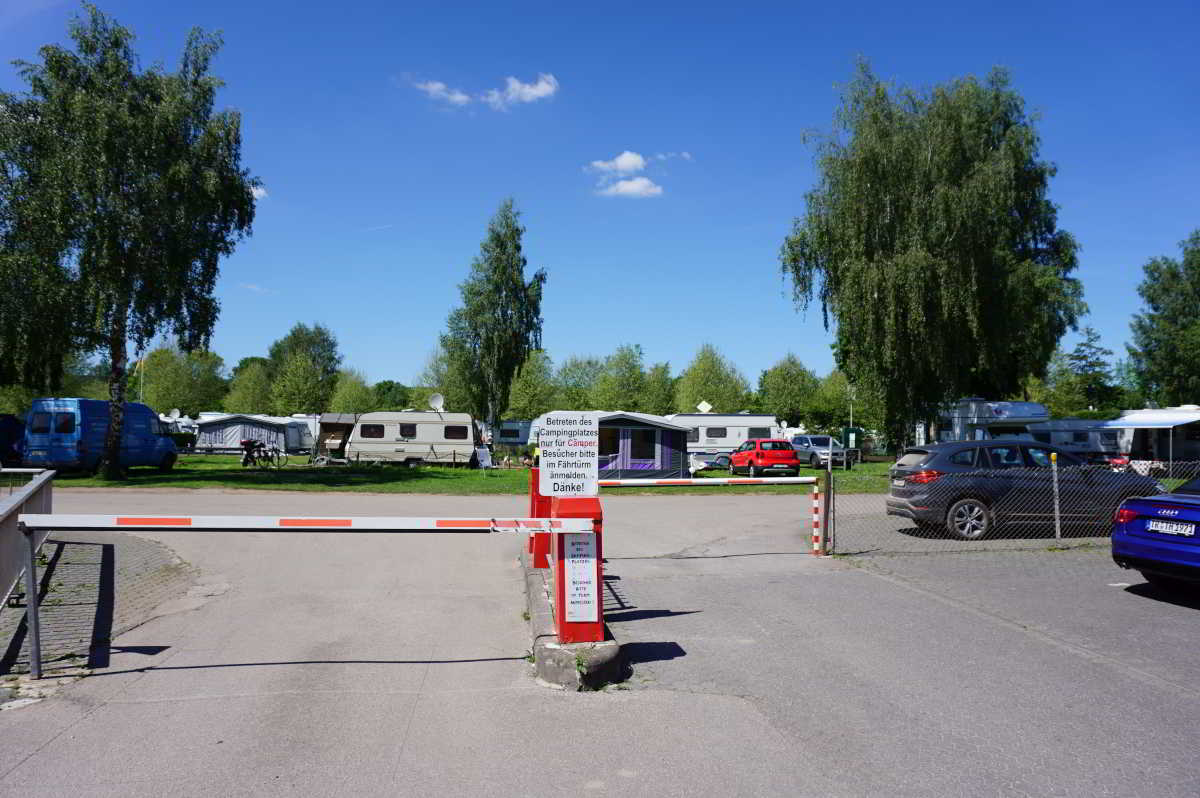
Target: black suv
970, 488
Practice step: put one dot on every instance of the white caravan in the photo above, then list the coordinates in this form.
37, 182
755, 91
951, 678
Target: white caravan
713, 436
413, 437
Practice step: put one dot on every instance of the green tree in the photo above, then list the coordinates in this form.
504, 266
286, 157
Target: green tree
352, 394
659, 392
438, 376
391, 395
621, 384
713, 379
188, 381
532, 392
1089, 362
1059, 389
1166, 334
928, 237
489, 338
320, 346
250, 391
575, 383
785, 389
246, 361
292, 390
134, 188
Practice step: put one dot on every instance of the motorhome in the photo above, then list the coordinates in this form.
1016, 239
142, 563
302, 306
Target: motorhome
413, 437
714, 436
979, 419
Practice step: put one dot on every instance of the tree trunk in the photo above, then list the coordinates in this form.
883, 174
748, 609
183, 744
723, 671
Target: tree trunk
116, 398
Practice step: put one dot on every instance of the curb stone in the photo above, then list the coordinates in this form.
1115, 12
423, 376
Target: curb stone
566, 666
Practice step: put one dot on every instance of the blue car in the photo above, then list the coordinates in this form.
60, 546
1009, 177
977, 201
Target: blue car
70, 434
1158, 535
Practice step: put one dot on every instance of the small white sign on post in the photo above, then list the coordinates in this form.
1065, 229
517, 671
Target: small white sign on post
583, 589
570, 448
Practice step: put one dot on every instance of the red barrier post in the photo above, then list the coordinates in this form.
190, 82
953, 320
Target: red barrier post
539, 507
578, 573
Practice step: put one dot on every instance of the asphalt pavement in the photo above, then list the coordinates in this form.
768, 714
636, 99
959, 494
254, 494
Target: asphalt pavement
394, 665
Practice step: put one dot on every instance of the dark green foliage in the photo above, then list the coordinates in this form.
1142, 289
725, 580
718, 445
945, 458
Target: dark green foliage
127, 191
712, 378
391, 395
1165, 352
575, 382
500, 322
621, 383
318, 344
532, 391
785, 389
932, 243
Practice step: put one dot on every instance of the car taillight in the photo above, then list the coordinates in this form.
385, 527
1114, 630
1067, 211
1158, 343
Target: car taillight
1124, 515
923, 477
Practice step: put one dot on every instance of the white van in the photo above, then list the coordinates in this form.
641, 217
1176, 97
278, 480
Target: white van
412, 437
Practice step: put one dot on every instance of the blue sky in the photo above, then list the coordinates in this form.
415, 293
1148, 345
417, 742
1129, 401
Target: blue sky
386, 134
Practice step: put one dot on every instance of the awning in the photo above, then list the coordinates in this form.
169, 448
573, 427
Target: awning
1153, 420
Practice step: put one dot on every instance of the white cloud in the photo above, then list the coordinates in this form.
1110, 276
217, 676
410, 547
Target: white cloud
626, 163
685, 155
666, 156
515, 91
258, 289
259, 192
637, 187
440, 91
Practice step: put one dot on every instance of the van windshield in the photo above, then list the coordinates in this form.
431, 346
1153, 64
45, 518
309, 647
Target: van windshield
39, 423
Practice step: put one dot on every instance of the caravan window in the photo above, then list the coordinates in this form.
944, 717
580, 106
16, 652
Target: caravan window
455, 432
1041, 437
715, 432
642, 444
64, 423
39, 423
758, 432
370, 431
1079, 437
693, 435
408, 430
610, 441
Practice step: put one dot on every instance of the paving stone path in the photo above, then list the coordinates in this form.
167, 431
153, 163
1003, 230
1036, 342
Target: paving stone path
94, 586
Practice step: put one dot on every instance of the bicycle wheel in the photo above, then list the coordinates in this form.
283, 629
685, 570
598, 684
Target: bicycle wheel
280, 459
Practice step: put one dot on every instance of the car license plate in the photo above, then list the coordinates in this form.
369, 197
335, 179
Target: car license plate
1171, 527
899, 483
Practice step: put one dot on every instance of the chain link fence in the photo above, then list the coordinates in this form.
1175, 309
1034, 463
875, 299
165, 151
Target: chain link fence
1023, 499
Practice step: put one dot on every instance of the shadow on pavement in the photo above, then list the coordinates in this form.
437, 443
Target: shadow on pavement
640, 615
154, 649
635, 653
1179, 598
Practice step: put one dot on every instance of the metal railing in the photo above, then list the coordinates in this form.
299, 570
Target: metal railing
33, 494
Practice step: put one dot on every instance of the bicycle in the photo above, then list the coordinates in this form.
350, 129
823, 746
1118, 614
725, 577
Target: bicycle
256, 454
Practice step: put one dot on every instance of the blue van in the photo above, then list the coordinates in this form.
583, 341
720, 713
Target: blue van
69, 434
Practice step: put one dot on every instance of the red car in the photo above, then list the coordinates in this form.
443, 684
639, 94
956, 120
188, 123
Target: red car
766, 454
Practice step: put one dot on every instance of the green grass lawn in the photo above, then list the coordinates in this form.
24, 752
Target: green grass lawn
225, 471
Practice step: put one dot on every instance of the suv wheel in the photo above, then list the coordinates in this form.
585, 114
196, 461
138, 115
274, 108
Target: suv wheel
969, 519
751, 470
814, 461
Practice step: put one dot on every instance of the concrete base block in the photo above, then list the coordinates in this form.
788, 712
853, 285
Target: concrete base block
566, 666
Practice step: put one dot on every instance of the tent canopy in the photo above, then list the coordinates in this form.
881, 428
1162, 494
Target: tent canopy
1154, 419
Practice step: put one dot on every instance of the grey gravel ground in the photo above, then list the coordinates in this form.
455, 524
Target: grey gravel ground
394, 666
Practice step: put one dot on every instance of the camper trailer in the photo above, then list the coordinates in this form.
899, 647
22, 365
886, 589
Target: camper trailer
712, 436
413, 437
974, 418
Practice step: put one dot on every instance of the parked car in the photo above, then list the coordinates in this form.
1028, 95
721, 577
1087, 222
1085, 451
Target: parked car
1158, 536
817, 449
971, 488
759, 456
70, 434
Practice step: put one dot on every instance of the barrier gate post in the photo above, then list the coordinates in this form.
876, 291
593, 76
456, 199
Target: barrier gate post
539, 507
578, 573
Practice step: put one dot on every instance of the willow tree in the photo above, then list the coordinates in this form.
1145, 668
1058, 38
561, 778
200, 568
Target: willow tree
931, 243
499, 325
135, 189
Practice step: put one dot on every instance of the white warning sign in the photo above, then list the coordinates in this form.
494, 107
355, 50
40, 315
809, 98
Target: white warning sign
570, 447
583, 588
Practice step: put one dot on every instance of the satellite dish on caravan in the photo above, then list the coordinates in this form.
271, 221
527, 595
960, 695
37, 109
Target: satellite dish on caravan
437, 402
174, 414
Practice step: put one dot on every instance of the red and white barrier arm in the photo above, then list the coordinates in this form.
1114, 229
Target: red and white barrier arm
633, 483
268, 523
